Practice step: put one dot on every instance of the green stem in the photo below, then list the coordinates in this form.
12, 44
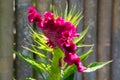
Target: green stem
55, 73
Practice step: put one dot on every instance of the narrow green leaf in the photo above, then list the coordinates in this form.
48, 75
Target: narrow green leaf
40, 41
38, 66
71, 13
82, 35
84, 45
36, 52
78, 21
66, 11
76, 18
32, 62
61, 12
55, 12
85, 55
42, 46
96, 65
51, 7
29, 79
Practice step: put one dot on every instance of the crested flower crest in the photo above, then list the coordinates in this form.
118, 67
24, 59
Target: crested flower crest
59, 32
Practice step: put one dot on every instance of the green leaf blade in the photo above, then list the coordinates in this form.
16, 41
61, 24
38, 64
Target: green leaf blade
38, 66
71, 14
29, 79
85, 55
96, 65
82, 35
66, 12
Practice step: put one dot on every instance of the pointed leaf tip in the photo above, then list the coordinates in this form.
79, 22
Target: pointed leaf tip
96, 65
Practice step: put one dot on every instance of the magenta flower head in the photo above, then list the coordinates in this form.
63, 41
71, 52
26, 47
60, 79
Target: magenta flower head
59, 33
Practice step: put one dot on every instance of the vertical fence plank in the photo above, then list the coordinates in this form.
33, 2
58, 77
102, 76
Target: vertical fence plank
23, 70
90, 19
42, 6
116, 41
6, 37
79, 7
104, 36
59, 4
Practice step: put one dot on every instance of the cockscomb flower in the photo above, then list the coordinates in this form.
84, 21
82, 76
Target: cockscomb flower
59, 33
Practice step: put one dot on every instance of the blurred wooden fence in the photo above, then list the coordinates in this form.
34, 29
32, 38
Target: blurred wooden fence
103, 17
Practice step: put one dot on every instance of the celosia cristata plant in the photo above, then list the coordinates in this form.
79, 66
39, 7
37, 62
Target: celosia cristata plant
60, 39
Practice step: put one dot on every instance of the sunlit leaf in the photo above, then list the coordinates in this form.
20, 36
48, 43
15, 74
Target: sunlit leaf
39, 41
84, 45
76, 19
38, 66
84, 56
61, 12
36, 52
82, 35
33, 62
55, 72
71, 14
53, 9
29, 79
66, 12
96, 65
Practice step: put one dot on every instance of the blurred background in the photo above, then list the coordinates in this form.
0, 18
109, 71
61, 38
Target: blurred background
103, 17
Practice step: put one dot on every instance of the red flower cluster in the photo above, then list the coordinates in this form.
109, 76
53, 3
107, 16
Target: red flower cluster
59, 33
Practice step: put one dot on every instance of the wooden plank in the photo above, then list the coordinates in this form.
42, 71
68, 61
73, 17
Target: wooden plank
116, 41
6, 37
42, 6
23, 70
104, 36
59, 4
79, 7
90, 19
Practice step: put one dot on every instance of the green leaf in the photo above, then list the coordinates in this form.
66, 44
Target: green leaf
69, 71
36, 52
82, 35
29, 79
84, 45
66, 11
85, 55
96, 65
76, 19
61, 12
39, 41
68, 16
38, 66
53, 9
71, 14
55, 72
